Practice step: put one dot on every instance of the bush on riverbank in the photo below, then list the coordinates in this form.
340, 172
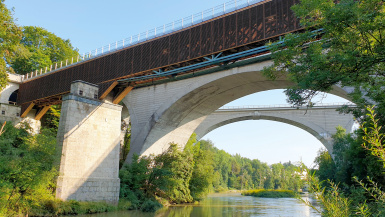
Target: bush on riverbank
71, 207
269, 193
173, 177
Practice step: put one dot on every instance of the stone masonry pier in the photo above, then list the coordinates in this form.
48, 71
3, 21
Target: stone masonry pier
89, 142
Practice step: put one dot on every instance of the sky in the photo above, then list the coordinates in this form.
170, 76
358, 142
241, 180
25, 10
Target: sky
90, 24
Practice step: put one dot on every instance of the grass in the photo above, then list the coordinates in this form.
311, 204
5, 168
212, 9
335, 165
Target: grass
269, 193
71, 207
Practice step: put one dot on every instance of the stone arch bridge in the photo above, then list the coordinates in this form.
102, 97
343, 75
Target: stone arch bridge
168, 84
90, 129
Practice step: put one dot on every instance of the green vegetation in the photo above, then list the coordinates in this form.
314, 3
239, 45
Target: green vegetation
186, 176
10, 35
28, 173
42, 49
28, 181
28, 48
71, 207
28, 177
349, 51
125, 149
269, 193
164, 178
51, 118
26, 168
351, 184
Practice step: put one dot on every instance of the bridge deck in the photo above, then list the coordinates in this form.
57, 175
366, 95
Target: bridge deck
237, 31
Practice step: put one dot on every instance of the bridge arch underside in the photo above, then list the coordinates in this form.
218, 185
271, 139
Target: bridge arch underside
171, 112
213, 122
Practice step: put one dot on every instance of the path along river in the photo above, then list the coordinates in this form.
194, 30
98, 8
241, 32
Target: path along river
226, 205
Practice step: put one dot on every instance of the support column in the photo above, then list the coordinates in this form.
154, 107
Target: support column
88, 140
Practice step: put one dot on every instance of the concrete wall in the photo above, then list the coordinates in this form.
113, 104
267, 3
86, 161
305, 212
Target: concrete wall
11, 113
171, 112
89, 142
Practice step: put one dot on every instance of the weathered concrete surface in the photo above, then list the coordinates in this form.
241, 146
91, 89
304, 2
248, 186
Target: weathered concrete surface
320, 122
171, 112
10, 112
13, 84
88, 139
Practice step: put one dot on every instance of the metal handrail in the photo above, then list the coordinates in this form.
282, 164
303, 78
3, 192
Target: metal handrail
183, 23
287, 106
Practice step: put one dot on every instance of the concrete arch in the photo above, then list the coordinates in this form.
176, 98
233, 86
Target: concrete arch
125, 112
312, 122
13, 85
170, 112
268, 118
7, 92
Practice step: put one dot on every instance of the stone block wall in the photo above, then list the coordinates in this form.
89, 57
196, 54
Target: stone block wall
11, 113
89, 143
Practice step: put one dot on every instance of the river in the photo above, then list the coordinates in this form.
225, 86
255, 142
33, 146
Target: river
226, 205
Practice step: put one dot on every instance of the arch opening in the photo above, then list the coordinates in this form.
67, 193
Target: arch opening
270, 141
13, 97
177, 117
276, 97
315, 131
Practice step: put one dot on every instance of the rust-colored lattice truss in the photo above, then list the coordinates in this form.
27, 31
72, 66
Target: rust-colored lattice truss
229, 33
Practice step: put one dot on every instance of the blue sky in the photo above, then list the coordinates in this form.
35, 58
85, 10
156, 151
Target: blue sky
92, 24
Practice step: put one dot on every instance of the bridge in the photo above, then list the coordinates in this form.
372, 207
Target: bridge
168, 84
320, 120
241, 26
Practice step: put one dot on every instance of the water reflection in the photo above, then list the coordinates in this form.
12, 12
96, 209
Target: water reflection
226, 205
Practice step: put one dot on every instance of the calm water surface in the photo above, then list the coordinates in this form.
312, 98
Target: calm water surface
226, 205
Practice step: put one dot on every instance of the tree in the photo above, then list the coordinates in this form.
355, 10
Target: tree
203, 172
365, 196
326, 166
349, 50
180, 164
44, 49
51, 118
27, 169
10, 36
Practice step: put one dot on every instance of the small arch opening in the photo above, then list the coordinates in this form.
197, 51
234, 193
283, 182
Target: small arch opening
13, 97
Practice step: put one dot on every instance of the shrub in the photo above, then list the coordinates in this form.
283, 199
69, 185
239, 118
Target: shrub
269, 193
71, 207
151, 206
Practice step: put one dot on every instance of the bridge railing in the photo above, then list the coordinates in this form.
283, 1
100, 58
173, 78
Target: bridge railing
317, 105
177, 25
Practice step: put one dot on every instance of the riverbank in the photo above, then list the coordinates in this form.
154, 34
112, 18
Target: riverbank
228, 204
269, 193
71, 207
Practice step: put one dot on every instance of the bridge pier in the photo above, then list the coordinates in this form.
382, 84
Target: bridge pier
89, 142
